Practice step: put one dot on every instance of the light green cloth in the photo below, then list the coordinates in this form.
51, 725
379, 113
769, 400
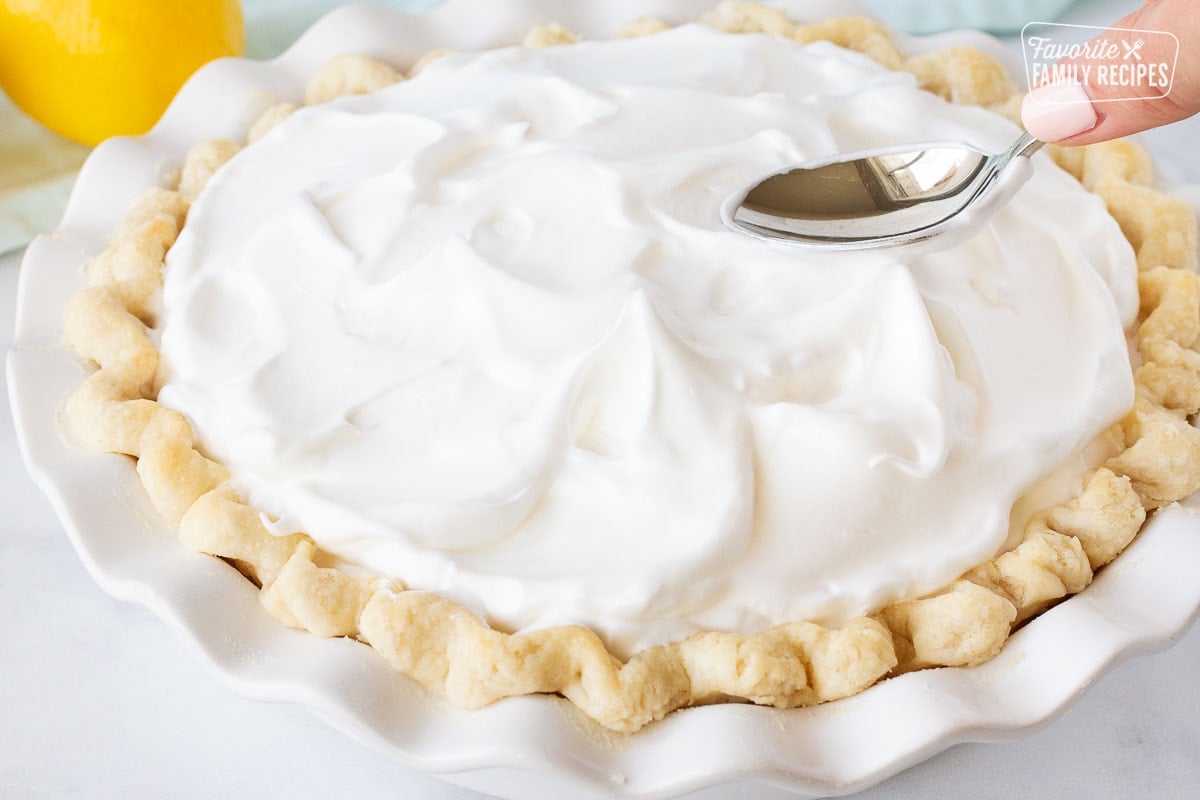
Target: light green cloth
272, 25
38, 168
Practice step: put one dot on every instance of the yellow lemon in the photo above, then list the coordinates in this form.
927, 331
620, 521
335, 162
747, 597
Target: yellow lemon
90, 69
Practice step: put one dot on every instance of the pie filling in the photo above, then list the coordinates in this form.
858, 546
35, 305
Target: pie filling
484, 331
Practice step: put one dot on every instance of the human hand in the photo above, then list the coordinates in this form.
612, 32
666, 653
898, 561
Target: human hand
1067, 114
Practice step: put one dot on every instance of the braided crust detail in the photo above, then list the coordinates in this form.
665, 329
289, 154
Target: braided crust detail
1152, 457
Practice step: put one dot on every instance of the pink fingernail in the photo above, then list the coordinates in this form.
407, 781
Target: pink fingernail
1057, 111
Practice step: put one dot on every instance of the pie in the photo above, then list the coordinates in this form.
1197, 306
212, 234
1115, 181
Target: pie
461, 363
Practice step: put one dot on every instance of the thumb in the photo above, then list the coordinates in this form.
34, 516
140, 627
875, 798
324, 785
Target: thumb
1114, 100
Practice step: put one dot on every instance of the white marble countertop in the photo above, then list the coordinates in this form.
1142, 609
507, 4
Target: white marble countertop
98, 699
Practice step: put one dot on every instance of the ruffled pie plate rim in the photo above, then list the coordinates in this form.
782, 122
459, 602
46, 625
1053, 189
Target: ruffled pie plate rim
532, 746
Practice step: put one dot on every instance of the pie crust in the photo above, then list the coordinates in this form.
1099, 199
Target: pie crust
1151, 458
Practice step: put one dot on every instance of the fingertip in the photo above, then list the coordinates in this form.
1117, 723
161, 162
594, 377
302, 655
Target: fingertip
1058, 111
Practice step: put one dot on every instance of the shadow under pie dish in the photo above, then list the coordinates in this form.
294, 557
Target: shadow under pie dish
793, 664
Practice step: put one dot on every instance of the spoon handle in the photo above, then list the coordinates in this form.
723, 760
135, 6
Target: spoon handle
1025, 145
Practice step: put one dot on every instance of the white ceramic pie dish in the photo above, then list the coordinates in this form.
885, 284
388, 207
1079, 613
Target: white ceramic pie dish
532, 746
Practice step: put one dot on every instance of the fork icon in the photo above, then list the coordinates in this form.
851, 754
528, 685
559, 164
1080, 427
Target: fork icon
1131, 50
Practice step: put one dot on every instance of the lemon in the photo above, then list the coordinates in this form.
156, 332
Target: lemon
90, 69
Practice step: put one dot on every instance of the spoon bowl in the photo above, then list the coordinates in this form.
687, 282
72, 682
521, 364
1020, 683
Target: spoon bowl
882, 198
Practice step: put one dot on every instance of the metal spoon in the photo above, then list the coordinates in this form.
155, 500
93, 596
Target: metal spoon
883, 198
